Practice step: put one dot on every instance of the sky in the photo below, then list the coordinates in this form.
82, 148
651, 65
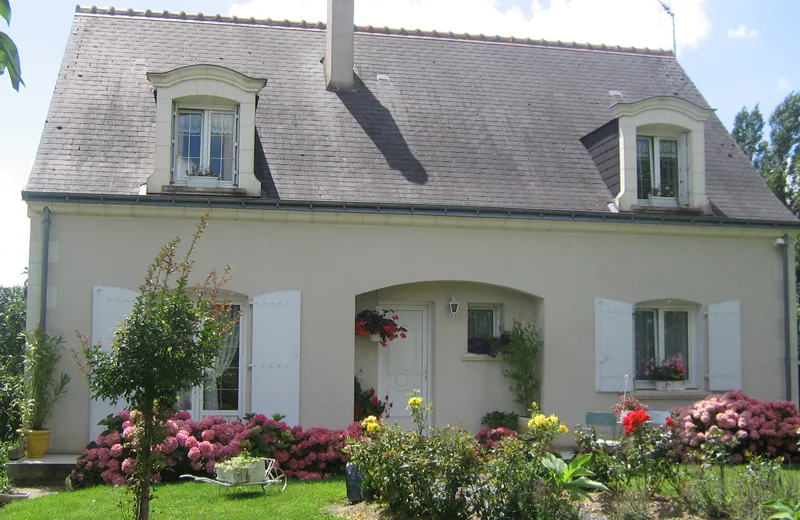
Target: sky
737, 52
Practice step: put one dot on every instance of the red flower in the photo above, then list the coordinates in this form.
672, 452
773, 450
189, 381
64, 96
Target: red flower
669, 423
403, 335
634, 420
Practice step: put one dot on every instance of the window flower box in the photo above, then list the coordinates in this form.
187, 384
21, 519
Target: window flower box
663, 202
202, 181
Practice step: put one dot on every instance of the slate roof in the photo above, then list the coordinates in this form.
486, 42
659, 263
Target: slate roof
461, 121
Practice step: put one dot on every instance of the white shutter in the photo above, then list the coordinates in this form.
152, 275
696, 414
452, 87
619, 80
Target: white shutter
724, 346
275, 375
613, 345
683, 170
110, 305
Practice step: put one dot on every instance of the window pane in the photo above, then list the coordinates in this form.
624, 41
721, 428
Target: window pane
222, 131
668, 149
676, 336
221, 390
189, 141
645, 326
644, 174
480, 323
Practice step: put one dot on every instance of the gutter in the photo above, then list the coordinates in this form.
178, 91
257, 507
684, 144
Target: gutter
787, 310
45, 265
222, 202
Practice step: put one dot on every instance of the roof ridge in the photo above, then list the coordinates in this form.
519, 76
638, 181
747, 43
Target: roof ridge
369, 29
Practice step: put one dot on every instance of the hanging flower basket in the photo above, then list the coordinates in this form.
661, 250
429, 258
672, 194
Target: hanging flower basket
380, 327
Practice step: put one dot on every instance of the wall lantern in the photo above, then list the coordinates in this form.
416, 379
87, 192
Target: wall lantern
453, 305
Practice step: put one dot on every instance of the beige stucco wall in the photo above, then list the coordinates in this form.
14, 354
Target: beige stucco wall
337, 257
463, 387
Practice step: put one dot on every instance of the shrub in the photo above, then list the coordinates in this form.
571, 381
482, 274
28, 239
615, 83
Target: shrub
542, 429
488, 439
419, 475
196, 447
497, 419
520, 356
767, 428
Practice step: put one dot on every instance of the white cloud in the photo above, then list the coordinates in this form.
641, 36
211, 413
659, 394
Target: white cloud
783, 85
614, 22
742, 32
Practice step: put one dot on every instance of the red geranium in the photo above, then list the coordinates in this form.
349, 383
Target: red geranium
383, 324
669, 422
634, 421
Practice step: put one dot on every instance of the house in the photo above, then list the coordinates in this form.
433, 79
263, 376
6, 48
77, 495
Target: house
588, 188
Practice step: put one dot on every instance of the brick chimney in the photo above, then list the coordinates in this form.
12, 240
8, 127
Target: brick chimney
339, 49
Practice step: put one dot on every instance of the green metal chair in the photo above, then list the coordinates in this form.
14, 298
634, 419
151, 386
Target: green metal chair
602, 419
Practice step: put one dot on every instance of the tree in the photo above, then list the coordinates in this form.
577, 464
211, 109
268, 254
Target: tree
12, 324
9, 57
748, 131
164, 347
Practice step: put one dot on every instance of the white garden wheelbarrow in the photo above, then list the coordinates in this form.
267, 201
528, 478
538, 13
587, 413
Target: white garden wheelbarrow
262, 472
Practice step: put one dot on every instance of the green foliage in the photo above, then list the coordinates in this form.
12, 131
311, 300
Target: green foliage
163, 348
520, 355
499, 419
573, 477
419, 475
607, 462
9, 56
12, 345
42, 391
5, 486
785, 509
748, 132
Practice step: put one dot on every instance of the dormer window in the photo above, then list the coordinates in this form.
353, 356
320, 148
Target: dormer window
205, 131
658, 163
205, 146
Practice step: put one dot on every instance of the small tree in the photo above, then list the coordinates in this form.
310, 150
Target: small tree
520, 355
163, 348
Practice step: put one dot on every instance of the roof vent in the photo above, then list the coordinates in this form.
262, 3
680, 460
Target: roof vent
383, 77
616, 94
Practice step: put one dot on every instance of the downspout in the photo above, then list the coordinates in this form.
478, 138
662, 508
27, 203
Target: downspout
787, 310
45, 264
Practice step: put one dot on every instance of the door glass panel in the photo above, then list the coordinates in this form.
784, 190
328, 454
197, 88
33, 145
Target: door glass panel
645, 326
221, 389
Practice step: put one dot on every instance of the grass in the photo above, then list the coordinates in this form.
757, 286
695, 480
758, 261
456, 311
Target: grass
190, 501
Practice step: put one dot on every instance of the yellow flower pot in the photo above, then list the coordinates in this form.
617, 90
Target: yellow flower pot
37, 442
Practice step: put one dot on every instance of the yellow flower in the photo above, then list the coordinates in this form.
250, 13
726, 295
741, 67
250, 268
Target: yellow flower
553, 419
414, 402
370, 422
563, 428
538, 422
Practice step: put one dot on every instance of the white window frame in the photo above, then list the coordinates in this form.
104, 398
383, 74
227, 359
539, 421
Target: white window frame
655, 163
196, 393
691, 360
180, 177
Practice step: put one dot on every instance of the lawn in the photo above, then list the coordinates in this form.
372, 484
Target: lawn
190, 501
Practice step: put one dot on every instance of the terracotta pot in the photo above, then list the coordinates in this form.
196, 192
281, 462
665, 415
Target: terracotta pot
37, 442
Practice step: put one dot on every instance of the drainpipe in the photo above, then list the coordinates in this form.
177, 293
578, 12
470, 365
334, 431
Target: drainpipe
45, 264
787, 313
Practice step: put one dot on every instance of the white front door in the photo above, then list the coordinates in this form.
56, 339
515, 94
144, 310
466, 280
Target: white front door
403, 363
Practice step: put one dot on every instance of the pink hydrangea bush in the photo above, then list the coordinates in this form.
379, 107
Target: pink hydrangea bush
196, 446
490, 438
761, 427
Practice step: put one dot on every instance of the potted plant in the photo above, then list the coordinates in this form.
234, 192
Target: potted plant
41, 390
381, 327
663, 196
627, 404
242, 469
668, 370
490, 346
201, 176
16, 447
520, 348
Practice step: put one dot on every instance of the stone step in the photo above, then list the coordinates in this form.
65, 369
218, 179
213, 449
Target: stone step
50, 470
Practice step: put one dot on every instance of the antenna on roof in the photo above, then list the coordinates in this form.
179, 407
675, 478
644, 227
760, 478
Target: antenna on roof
668, 9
